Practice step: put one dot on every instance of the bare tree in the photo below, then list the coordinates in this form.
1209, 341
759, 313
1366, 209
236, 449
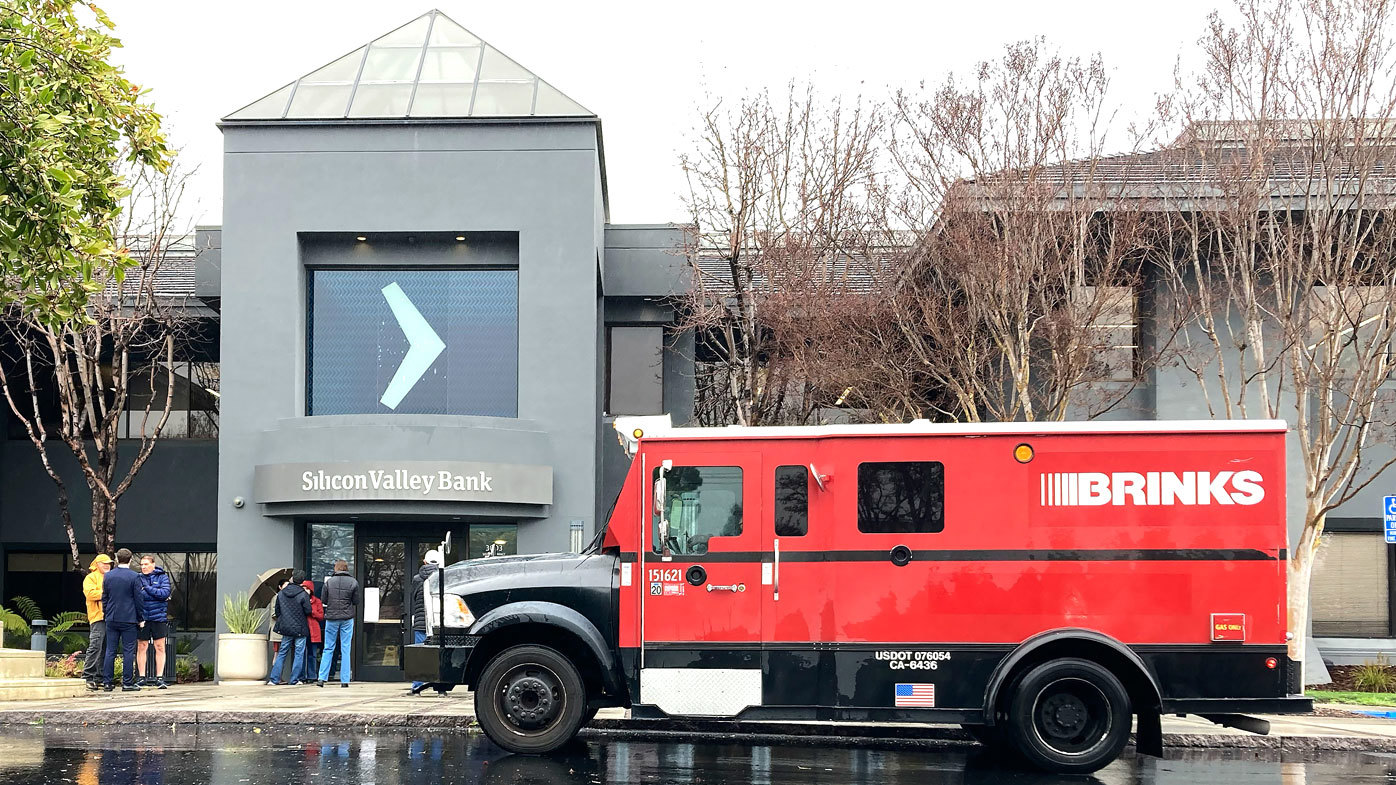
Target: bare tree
784, 198
105, 381
1282, 250
1020, 297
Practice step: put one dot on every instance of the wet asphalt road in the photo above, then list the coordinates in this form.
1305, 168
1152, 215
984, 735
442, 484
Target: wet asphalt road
114, 756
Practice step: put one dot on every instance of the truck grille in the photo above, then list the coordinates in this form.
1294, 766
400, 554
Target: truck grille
454, 639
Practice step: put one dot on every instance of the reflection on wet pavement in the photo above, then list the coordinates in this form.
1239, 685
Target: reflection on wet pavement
176, 756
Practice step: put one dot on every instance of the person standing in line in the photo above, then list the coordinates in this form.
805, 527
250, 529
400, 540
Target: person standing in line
124, 614
341, 607
96, 626
316, 642
430, 563
292, 624
155, 599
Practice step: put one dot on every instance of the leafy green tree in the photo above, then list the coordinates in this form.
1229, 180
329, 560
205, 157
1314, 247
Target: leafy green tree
68, 119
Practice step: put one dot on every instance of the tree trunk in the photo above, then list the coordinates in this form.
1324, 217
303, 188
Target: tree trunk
103, 524
1300, 570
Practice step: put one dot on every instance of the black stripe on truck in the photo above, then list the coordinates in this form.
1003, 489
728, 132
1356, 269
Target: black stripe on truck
985, 555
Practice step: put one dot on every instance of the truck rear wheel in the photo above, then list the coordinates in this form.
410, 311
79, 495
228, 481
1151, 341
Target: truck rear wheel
530, 699
1069, 716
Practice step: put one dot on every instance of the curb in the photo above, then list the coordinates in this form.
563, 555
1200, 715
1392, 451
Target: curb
796, 734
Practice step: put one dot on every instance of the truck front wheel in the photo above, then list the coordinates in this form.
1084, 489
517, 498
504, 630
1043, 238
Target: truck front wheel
1069, 716
530, 699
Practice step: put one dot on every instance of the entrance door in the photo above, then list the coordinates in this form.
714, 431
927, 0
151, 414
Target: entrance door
386, 585
701, 587
387, 564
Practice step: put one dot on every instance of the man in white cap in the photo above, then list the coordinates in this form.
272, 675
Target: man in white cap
430, 563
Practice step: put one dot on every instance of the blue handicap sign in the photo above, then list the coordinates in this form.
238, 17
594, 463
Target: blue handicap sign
1388, 515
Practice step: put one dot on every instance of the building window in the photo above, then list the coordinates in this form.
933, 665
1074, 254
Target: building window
792, 501
901, 497
701, 502
326, 543
635, 370
462, 325
193, 405
1111, 322
1350, 586
55, 583
485, 541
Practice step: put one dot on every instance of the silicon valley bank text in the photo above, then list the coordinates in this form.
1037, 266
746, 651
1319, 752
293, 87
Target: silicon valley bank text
396, 480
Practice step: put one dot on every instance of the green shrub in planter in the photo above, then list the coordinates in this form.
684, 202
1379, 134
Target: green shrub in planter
241, 619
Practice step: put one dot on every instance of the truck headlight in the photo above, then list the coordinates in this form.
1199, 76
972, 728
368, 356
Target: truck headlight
457, 612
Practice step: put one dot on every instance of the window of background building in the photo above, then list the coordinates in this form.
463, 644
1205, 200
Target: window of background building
1112, 331
193, 408
901, 497
355, 343
634, 370
792, 501
1349, 591
51, 581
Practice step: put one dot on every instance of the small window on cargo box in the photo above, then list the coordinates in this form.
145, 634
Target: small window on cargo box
701, 502
901, 497
792, 501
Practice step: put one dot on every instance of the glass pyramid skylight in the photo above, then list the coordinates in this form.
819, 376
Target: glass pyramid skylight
429, 67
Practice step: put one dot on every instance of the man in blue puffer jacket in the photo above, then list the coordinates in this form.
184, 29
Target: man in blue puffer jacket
155, 602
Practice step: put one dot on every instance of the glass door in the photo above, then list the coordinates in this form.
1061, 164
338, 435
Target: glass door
383, 575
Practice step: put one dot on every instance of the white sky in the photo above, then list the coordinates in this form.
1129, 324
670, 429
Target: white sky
644, 67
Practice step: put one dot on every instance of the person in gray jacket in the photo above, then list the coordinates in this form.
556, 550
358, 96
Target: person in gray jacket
341, 597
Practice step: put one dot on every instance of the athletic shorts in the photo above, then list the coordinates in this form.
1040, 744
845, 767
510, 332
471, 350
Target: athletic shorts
154, 631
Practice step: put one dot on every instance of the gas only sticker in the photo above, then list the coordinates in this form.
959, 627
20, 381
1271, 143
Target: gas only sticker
912, 660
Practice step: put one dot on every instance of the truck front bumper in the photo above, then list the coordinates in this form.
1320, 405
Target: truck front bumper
437, 664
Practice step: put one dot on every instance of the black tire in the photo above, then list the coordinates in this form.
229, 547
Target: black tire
530, 700
1069, 716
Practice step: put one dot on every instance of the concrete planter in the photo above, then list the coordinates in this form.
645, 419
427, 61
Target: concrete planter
242, 658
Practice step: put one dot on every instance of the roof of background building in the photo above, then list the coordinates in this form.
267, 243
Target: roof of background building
174, 275
429, 68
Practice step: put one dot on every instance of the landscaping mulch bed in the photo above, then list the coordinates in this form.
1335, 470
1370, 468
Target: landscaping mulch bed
1344, 677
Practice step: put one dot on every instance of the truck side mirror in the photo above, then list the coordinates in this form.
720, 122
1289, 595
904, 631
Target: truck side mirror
661, 493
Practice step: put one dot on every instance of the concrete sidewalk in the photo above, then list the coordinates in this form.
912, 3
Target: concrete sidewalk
389, 705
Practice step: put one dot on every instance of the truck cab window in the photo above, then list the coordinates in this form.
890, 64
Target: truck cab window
901, 497
792, 501
701, 502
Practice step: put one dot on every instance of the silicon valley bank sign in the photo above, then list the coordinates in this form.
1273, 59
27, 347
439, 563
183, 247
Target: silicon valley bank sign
435, 481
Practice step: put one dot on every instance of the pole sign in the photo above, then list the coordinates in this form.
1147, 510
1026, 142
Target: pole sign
1388, 516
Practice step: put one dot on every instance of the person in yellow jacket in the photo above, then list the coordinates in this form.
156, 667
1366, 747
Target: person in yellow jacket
97, 626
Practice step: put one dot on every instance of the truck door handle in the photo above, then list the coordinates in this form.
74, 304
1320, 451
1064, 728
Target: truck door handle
735, 588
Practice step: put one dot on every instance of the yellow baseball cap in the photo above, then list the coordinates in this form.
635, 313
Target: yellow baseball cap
101, 558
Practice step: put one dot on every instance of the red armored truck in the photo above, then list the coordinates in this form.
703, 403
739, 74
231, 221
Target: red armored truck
1041, 584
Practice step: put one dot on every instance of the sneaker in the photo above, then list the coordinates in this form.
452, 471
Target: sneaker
131, 688
273, 684
161, 685
344, 684
319, 682
93, 686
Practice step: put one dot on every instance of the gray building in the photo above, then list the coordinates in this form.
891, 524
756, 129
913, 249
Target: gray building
427, 317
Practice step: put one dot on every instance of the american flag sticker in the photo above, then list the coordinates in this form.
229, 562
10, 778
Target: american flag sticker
915, 696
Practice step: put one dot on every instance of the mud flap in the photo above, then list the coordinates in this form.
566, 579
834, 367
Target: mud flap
1148, 734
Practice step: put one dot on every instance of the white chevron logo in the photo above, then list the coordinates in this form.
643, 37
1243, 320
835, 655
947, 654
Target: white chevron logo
423, 346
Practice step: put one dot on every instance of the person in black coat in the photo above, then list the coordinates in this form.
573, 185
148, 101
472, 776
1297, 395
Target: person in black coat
430, 564
121, 607
293, 625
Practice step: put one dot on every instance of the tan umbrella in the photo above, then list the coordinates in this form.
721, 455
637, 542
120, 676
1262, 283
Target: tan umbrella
264, 588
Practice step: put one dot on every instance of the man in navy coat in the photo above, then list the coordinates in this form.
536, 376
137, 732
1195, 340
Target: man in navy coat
121, 607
